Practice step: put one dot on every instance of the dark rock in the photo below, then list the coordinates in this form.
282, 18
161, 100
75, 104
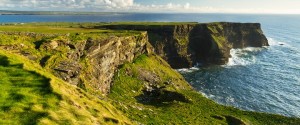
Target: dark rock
231, 120
185, 45
217, 117
68, 71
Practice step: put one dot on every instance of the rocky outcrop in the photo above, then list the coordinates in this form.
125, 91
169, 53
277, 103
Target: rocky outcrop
104, 57
185, 45
92, 63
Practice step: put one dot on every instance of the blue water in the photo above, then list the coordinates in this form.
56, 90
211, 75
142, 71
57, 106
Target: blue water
263, 79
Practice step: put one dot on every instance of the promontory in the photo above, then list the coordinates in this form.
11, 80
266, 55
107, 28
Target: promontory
118, 73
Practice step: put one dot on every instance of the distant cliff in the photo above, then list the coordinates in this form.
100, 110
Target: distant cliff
185, 45
90, 60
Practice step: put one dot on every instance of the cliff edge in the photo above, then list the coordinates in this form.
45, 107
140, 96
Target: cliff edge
90, 74
185, 45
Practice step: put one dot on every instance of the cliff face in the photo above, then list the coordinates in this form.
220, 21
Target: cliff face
185, 45
93, 62
104, 57
87, 60
211, 43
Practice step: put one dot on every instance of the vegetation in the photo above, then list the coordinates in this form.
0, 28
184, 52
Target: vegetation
176, 103
150, 23
145, 91
216, 29
9, 12
32, 95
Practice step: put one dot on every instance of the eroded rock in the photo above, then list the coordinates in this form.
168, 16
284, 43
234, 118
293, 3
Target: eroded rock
185, 45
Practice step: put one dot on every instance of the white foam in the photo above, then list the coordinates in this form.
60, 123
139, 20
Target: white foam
187, 70
273, 42
243, 57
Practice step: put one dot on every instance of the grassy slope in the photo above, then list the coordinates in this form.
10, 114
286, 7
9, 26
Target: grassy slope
31, 95
50, 100
179, 105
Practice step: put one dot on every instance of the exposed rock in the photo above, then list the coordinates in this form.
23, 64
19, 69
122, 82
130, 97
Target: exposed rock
68, 71
105, 57
53, 44
186, 45
148, 76
93, 62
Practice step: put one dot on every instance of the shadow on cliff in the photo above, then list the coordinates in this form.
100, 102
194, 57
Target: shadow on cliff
159, 97
200, 45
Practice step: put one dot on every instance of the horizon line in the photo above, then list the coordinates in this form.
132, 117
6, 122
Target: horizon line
157, 12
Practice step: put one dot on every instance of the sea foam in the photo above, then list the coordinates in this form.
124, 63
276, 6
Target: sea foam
243, 57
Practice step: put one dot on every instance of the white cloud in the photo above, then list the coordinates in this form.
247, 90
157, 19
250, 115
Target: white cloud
187, 6
119, 3
89, 5
123, 6
79, 5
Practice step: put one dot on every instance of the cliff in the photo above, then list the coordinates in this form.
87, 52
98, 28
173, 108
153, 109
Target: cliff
91, 59
86, 60
54, 74
185, 45
93, 62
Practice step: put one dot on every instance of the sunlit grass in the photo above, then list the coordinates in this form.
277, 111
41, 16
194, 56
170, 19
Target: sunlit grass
24, 95
31, 95
128, 87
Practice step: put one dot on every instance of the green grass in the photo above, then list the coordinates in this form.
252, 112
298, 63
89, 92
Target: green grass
217, 35
32, 95
150, 23
25, 95
178, 103
60, 29
219, 40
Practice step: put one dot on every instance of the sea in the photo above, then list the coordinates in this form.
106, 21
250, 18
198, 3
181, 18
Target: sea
265, 79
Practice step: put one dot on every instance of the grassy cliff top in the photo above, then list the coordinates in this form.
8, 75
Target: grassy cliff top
63, 28
31, 94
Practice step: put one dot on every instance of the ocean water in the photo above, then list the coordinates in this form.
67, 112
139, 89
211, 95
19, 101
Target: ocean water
263, 79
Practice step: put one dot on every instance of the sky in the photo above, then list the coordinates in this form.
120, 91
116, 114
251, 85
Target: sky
167, 6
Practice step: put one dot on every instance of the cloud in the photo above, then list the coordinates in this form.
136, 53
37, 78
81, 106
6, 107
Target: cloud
79, 5
124, 6
89, 5
119, 3
187, 6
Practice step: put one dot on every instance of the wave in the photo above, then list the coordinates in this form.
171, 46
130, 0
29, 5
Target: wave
273, 42
188, 70
243, 57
